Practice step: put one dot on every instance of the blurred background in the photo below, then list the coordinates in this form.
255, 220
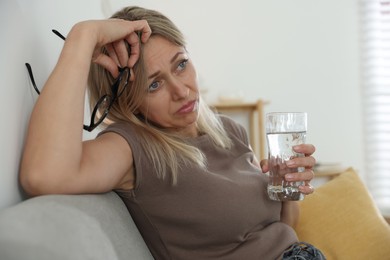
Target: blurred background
297, 55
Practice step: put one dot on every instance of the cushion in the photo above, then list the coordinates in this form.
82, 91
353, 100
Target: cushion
341, 219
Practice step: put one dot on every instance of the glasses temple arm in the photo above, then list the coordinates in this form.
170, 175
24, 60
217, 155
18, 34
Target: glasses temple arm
30, 73
58, 34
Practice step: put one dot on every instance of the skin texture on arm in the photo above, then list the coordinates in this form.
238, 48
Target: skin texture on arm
289, 213
55, 160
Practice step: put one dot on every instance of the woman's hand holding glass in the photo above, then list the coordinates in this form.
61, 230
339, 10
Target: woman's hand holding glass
307, 162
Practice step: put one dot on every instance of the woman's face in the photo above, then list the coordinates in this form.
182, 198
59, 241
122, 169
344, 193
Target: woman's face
173, 96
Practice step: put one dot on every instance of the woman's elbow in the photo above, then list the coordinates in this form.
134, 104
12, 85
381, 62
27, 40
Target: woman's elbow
30, 183
35, 182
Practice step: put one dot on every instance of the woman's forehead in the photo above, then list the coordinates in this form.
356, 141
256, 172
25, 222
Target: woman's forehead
159, 50
157, 44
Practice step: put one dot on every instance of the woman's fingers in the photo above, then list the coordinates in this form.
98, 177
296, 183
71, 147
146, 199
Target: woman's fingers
306, 175
135, 49
113, 30
307, 162
133, 38
114, 33
108, 63
306, 189
306, 149
143, 27
264, 165
112, 53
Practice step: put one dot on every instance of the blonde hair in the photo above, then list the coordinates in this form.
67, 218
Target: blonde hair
166, 151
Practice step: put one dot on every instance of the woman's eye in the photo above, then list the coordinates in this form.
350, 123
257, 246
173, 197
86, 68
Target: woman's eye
182, 64
154, 86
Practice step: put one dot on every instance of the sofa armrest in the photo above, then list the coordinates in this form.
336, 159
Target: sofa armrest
70, 227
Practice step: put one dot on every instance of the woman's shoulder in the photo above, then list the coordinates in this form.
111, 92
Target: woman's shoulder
125, 129
230, 123
232, 127
118, 126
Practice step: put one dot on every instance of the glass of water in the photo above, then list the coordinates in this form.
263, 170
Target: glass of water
284, 130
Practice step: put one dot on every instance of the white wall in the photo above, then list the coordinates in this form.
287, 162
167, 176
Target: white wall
301, 55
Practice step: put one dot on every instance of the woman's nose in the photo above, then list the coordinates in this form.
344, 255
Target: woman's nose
179, 90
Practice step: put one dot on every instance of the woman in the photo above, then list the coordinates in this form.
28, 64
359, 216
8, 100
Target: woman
188, 176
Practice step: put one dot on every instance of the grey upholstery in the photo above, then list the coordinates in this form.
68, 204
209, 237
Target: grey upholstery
70, 227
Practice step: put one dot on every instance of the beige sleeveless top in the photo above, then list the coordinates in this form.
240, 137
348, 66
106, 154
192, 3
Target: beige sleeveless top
219, 213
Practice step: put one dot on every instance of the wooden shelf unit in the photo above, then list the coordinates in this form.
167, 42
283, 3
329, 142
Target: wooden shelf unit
256, 121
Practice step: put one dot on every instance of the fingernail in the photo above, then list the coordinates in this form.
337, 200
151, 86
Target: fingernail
288, 177
290, 163
296, 148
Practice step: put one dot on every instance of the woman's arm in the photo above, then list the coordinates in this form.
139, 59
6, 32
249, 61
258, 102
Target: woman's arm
289, 213
55, 160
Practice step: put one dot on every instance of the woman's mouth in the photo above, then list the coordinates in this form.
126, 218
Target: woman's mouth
189, 107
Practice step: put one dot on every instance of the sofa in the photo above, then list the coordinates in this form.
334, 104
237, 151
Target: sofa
74, 227
340, 218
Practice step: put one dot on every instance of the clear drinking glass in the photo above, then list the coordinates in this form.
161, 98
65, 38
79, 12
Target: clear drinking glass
284, 130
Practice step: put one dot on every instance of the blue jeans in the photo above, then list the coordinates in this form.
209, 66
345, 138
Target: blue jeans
302, 251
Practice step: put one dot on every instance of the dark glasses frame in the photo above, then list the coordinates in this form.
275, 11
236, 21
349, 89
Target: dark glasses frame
123, 78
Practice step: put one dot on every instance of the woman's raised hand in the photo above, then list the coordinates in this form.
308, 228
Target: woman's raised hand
113, 34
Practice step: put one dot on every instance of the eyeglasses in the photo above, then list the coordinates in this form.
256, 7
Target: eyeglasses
104, 104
